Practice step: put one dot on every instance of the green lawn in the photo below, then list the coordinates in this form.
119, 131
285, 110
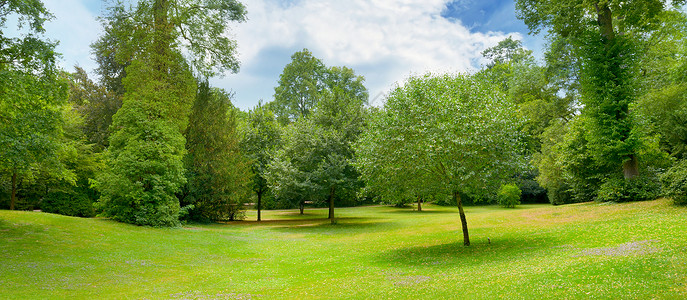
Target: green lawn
635, 250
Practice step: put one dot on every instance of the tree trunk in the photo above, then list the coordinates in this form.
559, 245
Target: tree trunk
419, 203
14, 190
604, 17
331, 203
301, 206
631, 168
259, 203
463, 220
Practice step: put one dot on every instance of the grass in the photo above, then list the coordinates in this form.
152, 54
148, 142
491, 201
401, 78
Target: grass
633, 250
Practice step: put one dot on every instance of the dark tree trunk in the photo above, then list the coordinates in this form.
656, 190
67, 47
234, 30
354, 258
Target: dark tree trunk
301, 206
259, 203
419, 203
604, 17
463, 220
631, 168
331, 203
13, 200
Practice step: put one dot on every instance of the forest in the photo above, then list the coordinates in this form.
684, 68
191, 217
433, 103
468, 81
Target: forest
148, 141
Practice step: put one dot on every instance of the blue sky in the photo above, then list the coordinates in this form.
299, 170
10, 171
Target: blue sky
385, 41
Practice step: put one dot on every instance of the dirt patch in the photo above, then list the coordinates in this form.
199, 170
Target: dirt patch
632, 248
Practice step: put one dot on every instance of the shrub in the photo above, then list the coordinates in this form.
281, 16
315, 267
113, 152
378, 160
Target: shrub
74, 201
509, 195
640, 188
674, 182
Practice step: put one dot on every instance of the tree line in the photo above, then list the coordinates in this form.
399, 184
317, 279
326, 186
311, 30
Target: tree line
601, 117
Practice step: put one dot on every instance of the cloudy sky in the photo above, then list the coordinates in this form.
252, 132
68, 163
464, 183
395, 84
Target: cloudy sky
383, 40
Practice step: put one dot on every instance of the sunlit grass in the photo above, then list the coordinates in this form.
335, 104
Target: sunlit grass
635, 250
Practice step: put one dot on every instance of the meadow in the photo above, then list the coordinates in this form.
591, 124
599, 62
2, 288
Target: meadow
591, 250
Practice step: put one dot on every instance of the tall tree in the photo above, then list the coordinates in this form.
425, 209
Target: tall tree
32, 95
459, 133
218, 173
261, 137
97, 104
315, 163
604, 35
145, 167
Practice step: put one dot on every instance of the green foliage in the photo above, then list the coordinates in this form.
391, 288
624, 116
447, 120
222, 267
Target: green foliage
261, 135
197, 28
315, 162
509, 195
77, 202
532, 192
218, 173
29, 52
306, 80
507, 51
608, 90
674, 182
446, 133
144, 161
144, 168
636, 189
300, 86
97, 104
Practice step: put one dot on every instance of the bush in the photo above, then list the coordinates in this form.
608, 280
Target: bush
509, 195
640, 188
75, 202
674, 182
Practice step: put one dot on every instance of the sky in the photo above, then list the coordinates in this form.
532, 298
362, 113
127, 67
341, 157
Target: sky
386, 41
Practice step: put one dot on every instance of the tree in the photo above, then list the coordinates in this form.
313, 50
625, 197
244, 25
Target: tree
459, 131
663, 100
97, 104
505, 52
261, 136
144, 165
315, 162
218, 173
300, 87
32, 96
604, 35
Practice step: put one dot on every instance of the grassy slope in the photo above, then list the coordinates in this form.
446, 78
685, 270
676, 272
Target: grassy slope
635, 250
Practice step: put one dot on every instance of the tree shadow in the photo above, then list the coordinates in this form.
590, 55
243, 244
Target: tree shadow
325, 226
456, 254
423, 211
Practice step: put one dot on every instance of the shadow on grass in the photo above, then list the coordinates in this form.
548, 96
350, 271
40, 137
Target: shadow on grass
422, 212
325, 226
456, 254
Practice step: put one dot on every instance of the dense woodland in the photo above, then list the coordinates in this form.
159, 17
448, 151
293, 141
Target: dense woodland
602, 117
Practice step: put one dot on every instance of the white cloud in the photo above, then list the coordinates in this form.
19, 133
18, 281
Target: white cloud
398, 37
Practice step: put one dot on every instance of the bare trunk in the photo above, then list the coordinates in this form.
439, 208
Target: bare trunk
301, 206
259, 203
463, 220
14, 191
631, 168
331, 203
419, 203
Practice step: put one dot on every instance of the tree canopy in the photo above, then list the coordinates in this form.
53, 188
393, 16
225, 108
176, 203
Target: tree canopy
454, 133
